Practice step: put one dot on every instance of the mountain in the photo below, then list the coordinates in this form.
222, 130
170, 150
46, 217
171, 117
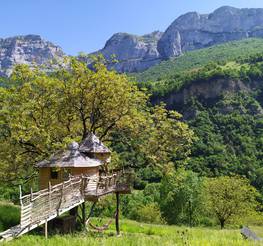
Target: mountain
194, 31
196, 59
29, 49
223, 103
190, 31
134, 53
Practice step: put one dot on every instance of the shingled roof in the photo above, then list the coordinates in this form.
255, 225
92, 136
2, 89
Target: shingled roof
70, 158
92, 144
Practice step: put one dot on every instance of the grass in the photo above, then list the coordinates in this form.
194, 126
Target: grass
9, 215
193, 60
135, 233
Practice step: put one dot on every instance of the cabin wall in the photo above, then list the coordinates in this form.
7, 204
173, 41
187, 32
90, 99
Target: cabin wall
85, 170
45, 174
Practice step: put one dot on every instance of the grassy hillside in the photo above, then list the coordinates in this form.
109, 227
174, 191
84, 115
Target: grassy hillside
134, 233
198, 58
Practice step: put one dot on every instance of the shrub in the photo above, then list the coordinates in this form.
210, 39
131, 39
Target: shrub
150, 213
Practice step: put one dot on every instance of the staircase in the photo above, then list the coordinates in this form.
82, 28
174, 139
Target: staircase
40, 207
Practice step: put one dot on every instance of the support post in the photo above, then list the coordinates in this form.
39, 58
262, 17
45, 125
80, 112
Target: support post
49, 196
31, 194
84, 215
21, 203
20, 195
117, 214
46, 231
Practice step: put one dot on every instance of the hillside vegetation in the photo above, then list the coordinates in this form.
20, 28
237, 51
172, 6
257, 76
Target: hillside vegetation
191, 60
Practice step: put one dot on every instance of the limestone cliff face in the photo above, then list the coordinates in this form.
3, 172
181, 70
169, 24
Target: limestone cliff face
29, 49
206, 90
137, 53
133, 53
188, 32
194, 31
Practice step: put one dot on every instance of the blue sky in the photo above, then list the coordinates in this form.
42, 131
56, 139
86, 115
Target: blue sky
85, 25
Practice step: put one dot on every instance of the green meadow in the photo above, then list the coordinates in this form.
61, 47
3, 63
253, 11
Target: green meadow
135, 233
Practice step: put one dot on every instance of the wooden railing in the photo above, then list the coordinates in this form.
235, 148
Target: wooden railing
39, 207
51, 202
44, 205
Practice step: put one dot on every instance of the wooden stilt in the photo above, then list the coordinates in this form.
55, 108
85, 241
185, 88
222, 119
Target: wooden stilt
84, 215
20, 195
46, 231
117, 214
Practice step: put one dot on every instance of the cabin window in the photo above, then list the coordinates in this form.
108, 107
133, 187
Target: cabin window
53, 173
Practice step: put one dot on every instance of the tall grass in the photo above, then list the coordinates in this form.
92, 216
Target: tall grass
134, 233
9, 215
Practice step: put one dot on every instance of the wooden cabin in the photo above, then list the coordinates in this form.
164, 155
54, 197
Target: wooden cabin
88, 158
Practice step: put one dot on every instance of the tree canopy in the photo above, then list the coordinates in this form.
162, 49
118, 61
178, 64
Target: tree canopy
230, 198
41, 113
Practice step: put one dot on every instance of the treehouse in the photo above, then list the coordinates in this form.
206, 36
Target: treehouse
67, 180
89, 158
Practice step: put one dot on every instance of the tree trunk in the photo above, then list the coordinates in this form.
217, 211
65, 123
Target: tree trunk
84, 215
190, 214
222, 223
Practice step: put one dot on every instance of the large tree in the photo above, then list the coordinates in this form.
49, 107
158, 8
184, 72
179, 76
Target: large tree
41, 112
230, 198
181, 200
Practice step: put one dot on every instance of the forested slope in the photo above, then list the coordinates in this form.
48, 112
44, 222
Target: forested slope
222, 102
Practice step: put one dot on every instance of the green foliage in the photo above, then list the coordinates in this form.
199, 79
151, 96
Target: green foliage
150, 213
9, 215
40, 113
143, 205
181, 197
192, 60
230, 198
229, 137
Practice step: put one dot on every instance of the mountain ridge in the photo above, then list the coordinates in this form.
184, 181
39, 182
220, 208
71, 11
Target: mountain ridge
190, 31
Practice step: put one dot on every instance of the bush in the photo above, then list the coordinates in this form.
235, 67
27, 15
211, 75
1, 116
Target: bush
150, 213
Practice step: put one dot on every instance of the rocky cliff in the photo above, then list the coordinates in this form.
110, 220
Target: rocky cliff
133, 53
137, 53
29, 49
188, 32
194, 31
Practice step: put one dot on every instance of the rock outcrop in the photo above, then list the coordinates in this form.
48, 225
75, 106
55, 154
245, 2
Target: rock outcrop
137, 53
206, 91
194, 31
133, 53
29, 49
188, 32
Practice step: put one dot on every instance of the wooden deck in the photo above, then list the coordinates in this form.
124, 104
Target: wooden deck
42, 206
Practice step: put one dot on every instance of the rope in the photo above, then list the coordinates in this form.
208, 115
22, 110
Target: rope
101, 228
98, 228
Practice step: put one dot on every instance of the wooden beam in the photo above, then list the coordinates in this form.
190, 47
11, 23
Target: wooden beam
84, 215
46, 231
117, 214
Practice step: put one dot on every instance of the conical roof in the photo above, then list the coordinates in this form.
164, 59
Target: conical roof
70, 158
92, 144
